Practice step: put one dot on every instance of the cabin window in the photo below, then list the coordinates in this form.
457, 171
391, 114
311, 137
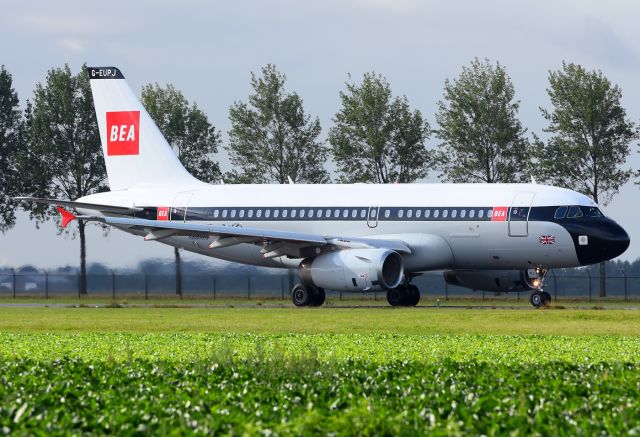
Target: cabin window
224, 213
387, 213
354, 213
293, 213
436, 213
560, 213
302, 213
241, 213
463, 213
363, 213
233, 213
591, 211
250, 213
285, 213
445, 213
336, 213
574, 212
454, 213
427, 213
345, 213
418, 213
400, 213
276, 213
216, 213
410, 213
267, 213
472, 213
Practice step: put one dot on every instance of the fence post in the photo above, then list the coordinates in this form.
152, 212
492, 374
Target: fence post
625, 283
589, 274
79, 279
46, 285
555, 286
113, 285
249, 287
14, 282
446, 291
483, 295
282, 290
213, 285
146, 287
375, 296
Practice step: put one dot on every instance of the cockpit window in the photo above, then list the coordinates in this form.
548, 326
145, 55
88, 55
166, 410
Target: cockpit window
591, 211
574, 211
560, 212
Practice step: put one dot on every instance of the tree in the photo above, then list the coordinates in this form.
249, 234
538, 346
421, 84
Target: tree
482, 137
377, 138
64, 157
11, 135
590, 136
189, 132
271, 138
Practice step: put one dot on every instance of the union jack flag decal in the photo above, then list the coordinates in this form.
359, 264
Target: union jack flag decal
547, 239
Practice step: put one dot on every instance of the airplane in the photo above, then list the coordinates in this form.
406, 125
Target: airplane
341, 237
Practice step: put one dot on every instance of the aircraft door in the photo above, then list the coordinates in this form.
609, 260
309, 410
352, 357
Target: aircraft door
372, 217
519, 214
180, 205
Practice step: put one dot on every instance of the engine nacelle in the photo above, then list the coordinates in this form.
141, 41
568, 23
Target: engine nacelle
354, 270
495, 280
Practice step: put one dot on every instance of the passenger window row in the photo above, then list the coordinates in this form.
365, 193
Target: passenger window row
198, 213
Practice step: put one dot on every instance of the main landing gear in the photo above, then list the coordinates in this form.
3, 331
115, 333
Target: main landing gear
540, 299
406, 295
303, 296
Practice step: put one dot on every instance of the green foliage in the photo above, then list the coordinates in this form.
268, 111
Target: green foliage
186, 128
590, 134
64, 156
271, 137
11, 136
348, 385
483, 139
377, 138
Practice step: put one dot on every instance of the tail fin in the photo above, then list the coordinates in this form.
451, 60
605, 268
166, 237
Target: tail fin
135, 151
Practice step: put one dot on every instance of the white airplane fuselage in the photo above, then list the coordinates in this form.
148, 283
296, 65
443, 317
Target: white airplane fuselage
477, 225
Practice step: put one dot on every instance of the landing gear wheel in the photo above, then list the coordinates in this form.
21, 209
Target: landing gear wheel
547, 297
538, 299
300, 295
396, 296
318, 296
412, 296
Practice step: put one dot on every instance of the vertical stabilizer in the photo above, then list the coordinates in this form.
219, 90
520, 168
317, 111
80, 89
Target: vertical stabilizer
135, 151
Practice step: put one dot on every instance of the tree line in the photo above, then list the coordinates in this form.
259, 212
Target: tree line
51, 147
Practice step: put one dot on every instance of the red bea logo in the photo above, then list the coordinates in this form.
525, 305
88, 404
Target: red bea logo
123, 128
163, 213
499, 214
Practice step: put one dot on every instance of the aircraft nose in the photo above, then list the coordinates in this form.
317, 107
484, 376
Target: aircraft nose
603, 242
618, 242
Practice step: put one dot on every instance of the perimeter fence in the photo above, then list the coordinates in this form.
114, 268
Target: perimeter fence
117, 286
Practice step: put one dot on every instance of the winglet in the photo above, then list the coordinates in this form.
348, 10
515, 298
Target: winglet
67, 217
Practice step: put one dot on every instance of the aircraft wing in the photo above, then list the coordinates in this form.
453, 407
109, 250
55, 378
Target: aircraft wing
275, 243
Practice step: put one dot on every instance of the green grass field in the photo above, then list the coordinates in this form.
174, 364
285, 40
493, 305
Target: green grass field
283, 371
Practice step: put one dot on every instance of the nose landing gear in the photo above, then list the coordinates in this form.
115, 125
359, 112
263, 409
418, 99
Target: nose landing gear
540, 299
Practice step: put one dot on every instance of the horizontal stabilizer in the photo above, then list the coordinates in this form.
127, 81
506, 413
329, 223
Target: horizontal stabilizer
70, 204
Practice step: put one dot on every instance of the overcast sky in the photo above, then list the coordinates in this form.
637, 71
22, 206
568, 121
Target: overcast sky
208, 49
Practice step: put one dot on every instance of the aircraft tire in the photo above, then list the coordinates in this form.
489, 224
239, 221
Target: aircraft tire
538, 299
318, 297
396, 296
547, 297
301, 296
412, 296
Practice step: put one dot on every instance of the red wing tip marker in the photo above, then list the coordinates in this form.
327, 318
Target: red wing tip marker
67, 217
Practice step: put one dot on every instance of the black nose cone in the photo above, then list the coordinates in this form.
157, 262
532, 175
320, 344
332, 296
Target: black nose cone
600, 242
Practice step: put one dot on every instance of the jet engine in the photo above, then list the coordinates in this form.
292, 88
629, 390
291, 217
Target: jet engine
495, 280
354, 270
